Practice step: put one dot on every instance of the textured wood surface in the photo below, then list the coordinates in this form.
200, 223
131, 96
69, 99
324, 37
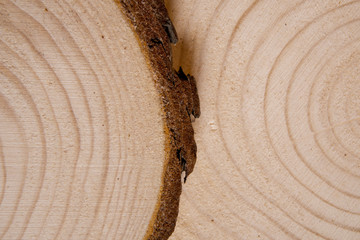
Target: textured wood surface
278, 139
279, 136
81, 134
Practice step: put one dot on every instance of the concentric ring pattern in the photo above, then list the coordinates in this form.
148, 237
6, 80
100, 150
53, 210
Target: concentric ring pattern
279, 136
81, 138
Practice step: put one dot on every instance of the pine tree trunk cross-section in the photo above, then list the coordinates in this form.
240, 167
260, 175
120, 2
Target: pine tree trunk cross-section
84, 141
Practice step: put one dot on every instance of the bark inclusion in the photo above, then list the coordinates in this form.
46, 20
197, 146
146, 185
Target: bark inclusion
178, 93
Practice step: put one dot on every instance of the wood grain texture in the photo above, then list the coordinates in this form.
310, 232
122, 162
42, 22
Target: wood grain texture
279, 136
81, 130
278, 139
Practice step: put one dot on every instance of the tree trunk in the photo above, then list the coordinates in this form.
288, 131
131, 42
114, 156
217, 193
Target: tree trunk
84, 139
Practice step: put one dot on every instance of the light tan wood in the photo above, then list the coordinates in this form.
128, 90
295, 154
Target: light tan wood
82, 142
81, 139
279, 136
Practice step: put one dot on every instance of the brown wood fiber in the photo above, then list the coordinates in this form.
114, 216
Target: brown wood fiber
179, 99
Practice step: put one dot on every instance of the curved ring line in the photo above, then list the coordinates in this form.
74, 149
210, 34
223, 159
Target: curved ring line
288, 169
267, 127
287, 118
332, 126
227, 150
43, 152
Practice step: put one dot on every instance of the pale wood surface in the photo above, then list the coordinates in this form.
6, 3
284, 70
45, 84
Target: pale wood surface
279, 136
278, 139
81, 135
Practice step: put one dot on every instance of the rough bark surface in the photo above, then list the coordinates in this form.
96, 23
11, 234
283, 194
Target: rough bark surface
179, 100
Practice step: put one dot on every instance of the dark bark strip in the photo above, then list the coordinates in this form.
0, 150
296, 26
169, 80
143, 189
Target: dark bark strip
178, 94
